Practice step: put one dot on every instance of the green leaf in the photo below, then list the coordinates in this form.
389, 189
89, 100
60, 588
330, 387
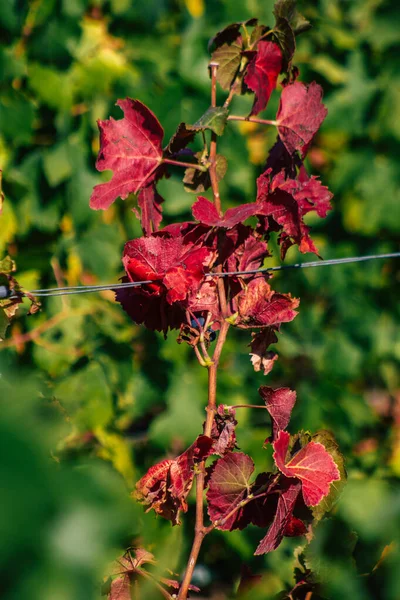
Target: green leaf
7, 265
57, 164
197, 181
286, 9
228, 58
86, 397
4, 322
214, 119
16, 117
286, 39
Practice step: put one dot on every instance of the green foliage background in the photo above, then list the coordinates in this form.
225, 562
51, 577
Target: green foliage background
89, 400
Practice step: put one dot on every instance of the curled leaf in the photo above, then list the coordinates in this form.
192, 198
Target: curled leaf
166, 485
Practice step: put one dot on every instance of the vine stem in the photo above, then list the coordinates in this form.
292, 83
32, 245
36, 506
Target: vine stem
249, 406
213, 144
179, 163
252, 120
200, 530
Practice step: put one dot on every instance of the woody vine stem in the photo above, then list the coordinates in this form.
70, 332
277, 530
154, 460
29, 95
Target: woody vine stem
200, 530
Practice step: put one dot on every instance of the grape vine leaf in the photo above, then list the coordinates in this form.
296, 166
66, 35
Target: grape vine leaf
286, 201
197, 181
165, 486
312, 465
131, 148
214, 118
286, 9
205, 212
262, 358
286, 502
164, 258
279, 403
229, 485
262, 74
259, 306
228, 56
300, 115
223, 430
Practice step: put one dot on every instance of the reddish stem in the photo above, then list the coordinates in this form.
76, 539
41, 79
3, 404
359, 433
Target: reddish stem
179, 163
249, 406
213, 145
200, 531
252, 120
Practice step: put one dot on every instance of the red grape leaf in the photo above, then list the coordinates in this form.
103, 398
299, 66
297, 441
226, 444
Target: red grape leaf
300, 114
177, 267
176, 259
131, 148
205, 212
286, 201
149, 201
262, 358
165, 486
244, 249
279, 404
120, 588
223, 430
312, 465
259, 306
283, 515
229, 485
181, 138
295, 527
262, 74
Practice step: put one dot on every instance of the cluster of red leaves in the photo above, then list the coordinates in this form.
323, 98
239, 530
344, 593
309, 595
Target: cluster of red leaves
179, 258
179, 262
278, 501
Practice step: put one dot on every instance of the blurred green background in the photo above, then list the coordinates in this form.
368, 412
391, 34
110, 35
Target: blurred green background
89, 400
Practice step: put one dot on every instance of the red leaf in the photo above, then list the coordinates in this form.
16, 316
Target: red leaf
176, 265
165, 486
176, 259
259, 306
262, 74
283, 515
261, 357
229, 485
149, 201
120, 588
300, 115
131, 148
244, 250
312, 465
279, 404
223, 430
294, 527
286, 201
205, 212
